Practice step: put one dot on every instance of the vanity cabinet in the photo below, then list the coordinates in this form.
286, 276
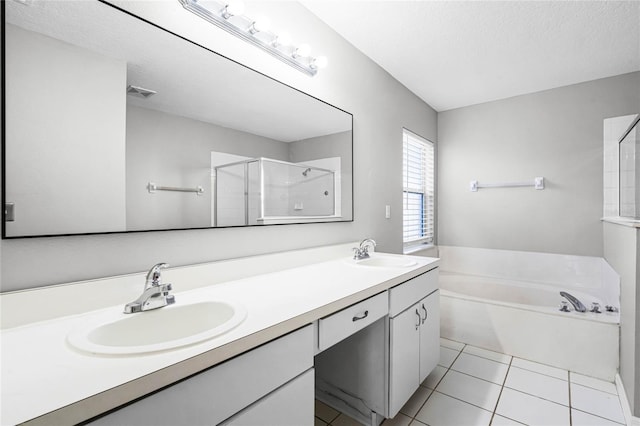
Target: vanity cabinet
414, 336
372, 373
250, 389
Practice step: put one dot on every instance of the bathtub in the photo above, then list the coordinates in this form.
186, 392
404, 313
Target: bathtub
521, 318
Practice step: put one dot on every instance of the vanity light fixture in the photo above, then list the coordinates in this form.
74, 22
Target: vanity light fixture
228, 15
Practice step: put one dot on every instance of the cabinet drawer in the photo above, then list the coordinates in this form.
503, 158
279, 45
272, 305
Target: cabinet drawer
289, 405
341, 325
406, 294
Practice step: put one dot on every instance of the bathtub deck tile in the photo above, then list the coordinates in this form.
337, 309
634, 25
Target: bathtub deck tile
558, 373
485, 353
481, 368
546, 387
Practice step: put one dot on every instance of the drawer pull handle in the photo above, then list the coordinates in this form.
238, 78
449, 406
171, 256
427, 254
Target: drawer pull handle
419, 318
425, 314
361, 316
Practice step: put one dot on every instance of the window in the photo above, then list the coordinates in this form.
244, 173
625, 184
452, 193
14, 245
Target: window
418, 190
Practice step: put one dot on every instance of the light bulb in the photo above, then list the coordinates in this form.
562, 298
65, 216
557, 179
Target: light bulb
261, 24
302, 51
283, 39
233, 8
320, 62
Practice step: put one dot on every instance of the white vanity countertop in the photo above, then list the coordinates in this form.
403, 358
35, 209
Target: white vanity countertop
43, 376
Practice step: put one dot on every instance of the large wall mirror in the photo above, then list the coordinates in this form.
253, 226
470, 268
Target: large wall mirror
113, 124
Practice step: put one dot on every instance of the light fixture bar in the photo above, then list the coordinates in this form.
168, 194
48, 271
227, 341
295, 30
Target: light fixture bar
218, 20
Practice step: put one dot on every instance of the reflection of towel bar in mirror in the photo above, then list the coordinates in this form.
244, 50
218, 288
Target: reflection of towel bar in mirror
152, 187
537, 183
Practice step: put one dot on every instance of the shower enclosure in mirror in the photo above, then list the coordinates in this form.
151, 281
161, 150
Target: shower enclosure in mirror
262, 191
112, 124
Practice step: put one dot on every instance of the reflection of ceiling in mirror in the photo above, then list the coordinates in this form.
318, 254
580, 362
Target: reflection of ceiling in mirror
189, 80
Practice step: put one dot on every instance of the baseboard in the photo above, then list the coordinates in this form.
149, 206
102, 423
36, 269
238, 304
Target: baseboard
630, 420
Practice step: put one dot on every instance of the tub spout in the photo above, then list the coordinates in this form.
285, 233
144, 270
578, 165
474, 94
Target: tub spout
577, 305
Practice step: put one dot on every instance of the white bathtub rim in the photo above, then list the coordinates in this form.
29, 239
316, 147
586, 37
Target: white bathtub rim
548, 285
605, 317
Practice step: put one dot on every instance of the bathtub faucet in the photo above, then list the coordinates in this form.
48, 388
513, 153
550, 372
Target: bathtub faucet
577, 305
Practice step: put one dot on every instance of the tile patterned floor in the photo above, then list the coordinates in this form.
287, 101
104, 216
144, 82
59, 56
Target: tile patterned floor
473, 386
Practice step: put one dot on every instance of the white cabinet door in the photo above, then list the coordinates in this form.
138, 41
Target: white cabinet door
429, 308
404, 358
290, 405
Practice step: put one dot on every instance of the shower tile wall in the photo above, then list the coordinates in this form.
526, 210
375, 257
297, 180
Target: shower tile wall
613, 129
628, 167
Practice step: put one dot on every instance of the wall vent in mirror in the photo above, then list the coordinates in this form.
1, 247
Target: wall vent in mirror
140, 91
79, 156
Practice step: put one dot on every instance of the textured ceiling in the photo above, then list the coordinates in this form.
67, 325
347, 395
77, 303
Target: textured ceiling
458, 53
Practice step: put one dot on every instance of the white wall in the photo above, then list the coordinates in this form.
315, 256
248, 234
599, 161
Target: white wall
83, 93
556, 134
381, 106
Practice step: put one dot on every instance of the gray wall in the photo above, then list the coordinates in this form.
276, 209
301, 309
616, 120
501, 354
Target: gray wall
621, 250
381, 106
556, 134
169, 150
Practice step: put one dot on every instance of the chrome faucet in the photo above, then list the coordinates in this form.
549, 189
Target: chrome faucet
362, 252
155, 294
577, 305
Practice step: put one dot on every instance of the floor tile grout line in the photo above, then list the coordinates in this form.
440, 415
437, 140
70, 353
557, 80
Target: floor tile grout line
476, 377
598, 416
569, 386
488, 359
438, 383
501, 389
595, 389
462, 400
542, 374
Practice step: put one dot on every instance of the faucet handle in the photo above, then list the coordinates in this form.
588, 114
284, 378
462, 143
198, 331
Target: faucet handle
153, 276
564, 306
595, 308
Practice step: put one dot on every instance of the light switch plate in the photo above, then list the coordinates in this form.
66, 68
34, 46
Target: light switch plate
9, 212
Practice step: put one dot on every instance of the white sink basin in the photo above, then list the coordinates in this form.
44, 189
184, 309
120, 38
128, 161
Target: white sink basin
386, 261
160, 329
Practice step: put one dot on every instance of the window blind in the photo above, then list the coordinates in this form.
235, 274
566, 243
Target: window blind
418, 190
